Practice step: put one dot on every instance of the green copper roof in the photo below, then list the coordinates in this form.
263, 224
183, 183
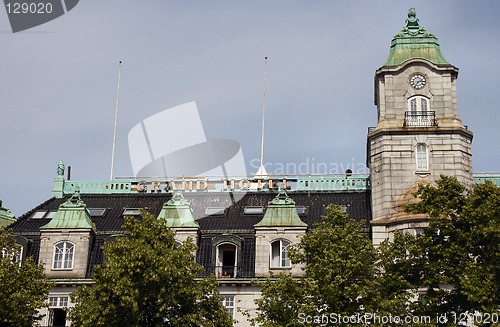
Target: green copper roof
177, 212
71, 214
281, 211
6, 217
414, 41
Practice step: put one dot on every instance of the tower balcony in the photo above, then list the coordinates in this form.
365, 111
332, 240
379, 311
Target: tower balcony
420, 119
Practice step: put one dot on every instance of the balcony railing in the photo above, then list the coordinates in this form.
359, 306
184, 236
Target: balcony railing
222, 272
420, 119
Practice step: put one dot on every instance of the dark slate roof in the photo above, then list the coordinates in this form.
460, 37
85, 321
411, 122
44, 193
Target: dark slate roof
232, 221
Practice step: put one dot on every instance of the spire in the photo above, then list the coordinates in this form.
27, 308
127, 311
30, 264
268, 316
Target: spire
414, 42
71, 214
281, 211
177, 212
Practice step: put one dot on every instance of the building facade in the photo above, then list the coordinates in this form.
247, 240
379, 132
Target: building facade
418, 137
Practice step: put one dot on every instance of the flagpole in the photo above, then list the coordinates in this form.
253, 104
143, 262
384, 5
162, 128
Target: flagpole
263, 116
116, 119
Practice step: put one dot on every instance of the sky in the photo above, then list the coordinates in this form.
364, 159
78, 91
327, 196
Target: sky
58, 81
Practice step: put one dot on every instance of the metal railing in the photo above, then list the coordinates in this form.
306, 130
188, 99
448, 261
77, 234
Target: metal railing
222, 272
420, 119
481, 178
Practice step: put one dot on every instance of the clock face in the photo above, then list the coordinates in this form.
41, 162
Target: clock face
417, 81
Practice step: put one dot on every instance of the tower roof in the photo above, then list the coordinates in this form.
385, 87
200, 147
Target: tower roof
6, 217
71, 214
414, 42
177, 213
281, 211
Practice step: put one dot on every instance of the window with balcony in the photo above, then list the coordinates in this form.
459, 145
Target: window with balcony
279, 254
63, 256
418, 114
422, 158
226, 260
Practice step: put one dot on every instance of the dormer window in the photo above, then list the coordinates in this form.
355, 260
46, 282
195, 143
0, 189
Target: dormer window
253, 210
131, 212
63, 256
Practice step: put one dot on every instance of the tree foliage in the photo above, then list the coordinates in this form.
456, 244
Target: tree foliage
149, 281
23, 289
461, 247
453, 269
343, 275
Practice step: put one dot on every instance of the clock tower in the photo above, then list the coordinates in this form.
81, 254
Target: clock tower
419, 135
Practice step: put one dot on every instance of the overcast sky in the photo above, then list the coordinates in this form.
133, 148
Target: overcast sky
59, 80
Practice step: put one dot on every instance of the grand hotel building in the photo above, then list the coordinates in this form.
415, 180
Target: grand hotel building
418, 137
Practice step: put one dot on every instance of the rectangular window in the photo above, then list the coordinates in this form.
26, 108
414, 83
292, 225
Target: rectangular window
63, 301
214, 211
98, 212
253, 210
15, 256
228, 302
53, 301
413, 105
58, 301
423, 104
422, 163
131, 212
38, 214
301, 210
51, 214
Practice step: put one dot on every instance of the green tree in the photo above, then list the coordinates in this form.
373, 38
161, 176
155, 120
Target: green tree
283, 301
460, 248
343, 275
149, 281
340, 261
23, 288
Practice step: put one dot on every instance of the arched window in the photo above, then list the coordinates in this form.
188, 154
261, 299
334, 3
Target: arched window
419, 104
63, 256
279, 254
422, 158
227, 262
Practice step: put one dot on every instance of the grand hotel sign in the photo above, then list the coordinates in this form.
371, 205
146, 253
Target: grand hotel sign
243, 184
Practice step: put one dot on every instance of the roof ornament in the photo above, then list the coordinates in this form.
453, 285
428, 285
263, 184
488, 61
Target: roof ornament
75, 200
60, 169
412, 26
282, 198
177, 200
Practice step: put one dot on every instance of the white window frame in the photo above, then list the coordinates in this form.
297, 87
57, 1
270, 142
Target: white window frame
59, 301
219, 258
422, 157
63, 258
227, 302
18, 256
419, 101
283, 261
